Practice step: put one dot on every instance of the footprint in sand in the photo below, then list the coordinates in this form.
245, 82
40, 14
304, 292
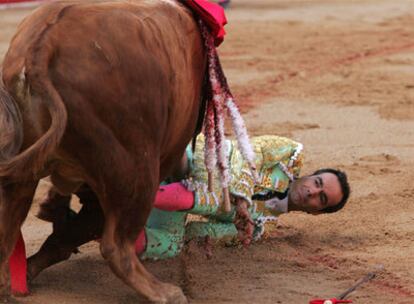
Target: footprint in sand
380, 158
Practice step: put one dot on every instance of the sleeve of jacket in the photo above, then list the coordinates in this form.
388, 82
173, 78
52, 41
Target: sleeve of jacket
273, 153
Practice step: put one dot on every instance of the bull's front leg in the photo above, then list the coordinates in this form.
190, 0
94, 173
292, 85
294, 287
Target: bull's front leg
126, 206
15, 201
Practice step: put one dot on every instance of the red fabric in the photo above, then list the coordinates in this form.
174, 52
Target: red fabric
18, 268
140, 242
333, 301
212, 14
174, 197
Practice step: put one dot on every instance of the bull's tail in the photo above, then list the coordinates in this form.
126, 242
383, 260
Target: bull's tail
29, 162
11, 133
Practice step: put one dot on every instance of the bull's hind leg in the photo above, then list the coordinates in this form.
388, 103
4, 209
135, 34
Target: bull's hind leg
15, 201
125, 217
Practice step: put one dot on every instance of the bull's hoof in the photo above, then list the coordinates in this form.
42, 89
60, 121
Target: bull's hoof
174, 294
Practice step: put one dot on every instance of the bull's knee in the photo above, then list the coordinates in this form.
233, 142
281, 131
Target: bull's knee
123, 261
107, 250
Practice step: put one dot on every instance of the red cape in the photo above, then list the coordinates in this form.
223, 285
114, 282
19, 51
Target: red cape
212, 14
18, 268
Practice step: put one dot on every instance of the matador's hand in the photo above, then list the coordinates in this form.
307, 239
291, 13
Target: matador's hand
243, 222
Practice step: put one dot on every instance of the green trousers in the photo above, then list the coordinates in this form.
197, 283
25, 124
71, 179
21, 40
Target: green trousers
167, 231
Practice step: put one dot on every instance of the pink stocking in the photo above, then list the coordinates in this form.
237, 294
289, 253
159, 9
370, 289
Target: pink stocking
174, 197
140, 242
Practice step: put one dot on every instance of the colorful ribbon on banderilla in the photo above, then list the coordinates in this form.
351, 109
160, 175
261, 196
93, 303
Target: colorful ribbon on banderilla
221, 100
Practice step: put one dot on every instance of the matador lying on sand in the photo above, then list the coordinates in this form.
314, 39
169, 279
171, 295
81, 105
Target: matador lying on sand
280, 190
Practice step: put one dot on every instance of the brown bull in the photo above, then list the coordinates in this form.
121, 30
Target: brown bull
106, 94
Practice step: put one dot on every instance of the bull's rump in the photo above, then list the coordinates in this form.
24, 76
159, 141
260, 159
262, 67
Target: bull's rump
125, 70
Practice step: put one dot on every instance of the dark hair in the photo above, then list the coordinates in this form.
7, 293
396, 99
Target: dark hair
343, 181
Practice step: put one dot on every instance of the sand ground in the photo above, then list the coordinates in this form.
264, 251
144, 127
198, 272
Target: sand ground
337, 75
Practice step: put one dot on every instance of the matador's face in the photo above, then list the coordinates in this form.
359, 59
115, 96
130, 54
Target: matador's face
314, 193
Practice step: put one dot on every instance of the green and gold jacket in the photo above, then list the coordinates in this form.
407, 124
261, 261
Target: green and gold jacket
278, 162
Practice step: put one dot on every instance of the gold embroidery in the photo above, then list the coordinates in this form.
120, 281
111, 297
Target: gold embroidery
269, 149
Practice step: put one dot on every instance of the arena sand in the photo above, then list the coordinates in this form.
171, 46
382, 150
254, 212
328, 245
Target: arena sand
337, 76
